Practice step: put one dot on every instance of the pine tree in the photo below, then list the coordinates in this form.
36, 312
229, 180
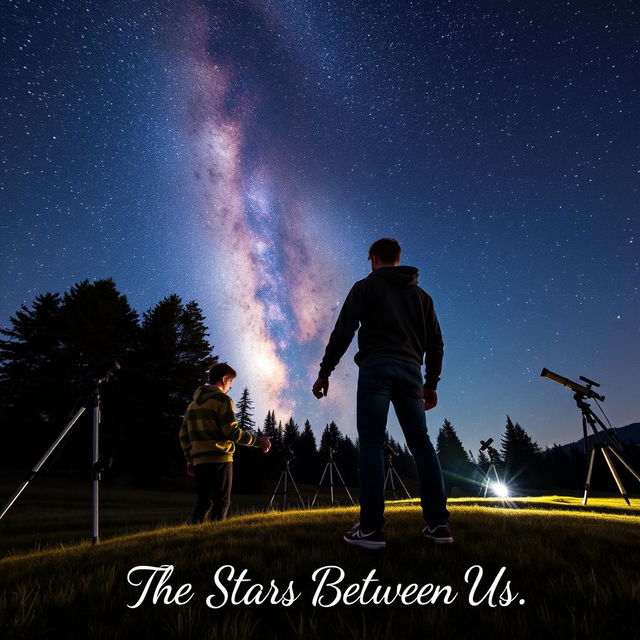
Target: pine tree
36, 389
34, 338
520, 454
175, 350
244, 412
454, 460
171, 362
273, 461
250, 467
406, 465
194, 352
307, 467
97, 323
291, 434
270, 429
449, 447
331, 439
347, 461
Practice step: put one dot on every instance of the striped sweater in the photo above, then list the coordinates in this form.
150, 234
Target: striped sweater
210, 431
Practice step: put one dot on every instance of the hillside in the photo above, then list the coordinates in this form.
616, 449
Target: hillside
629, 433
540, 573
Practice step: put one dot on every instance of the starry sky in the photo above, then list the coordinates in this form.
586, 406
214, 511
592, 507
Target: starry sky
245, 154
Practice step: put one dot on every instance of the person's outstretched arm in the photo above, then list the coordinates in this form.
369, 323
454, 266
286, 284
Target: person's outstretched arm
340, 339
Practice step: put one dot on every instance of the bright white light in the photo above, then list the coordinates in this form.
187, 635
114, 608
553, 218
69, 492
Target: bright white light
500, 490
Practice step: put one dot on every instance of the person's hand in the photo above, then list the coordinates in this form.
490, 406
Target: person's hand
264, 444
430, 398
320, 387
190, 471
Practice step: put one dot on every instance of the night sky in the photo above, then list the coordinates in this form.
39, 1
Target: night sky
245, 154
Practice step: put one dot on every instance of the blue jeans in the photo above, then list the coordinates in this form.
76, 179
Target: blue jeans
380, 381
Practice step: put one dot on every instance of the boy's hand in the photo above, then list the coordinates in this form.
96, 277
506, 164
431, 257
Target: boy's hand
264, 444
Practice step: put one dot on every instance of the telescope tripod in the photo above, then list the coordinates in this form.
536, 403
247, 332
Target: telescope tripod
285, 477
331, 466
92, 401
486, 483
607, 450
389, 479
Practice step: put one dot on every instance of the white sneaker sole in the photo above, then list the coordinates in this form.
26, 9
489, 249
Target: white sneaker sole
439, 540
366, 544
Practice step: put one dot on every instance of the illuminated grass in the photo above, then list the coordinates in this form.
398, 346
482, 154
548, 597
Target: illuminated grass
564, 504
577, 571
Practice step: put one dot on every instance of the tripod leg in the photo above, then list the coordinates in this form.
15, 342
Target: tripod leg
344, 484
285, 489
614, 473
326, 466
42, 460
625, 463
95, 482
588, 481
333, 502
402, 484
584, 432
275, 492
293, 482
485, 484
393, 484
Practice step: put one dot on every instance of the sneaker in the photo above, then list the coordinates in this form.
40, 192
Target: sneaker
373, 540
440, 534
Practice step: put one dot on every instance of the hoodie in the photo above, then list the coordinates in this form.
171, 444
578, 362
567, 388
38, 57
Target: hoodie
210, 431
396, 319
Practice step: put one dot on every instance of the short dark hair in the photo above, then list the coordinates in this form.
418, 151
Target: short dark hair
219, 371
387, 249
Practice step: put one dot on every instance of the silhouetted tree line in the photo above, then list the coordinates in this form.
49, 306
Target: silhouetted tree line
49, 351
307, 458
524, 467
46, 359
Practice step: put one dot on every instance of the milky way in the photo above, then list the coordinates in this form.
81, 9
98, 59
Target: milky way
270, 274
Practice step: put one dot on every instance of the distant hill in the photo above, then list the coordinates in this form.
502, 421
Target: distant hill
630, 433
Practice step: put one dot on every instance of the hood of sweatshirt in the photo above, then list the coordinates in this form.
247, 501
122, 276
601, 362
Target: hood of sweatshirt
397, 276
205, 392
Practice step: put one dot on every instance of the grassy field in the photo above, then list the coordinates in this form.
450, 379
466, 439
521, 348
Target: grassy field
56, 510
575, 571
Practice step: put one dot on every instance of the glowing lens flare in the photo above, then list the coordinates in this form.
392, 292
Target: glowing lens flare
500, 489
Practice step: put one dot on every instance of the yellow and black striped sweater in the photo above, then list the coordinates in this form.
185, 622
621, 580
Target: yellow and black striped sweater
210, 430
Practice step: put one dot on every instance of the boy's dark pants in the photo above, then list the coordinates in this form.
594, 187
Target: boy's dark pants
213, 486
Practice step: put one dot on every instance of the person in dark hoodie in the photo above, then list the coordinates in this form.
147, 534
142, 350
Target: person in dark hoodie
208, 436
398, 331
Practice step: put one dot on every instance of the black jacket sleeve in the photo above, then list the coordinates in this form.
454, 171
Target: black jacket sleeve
342, 334
434, 346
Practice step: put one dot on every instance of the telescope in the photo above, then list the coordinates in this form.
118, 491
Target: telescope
486, 444
591, 446
587, 391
